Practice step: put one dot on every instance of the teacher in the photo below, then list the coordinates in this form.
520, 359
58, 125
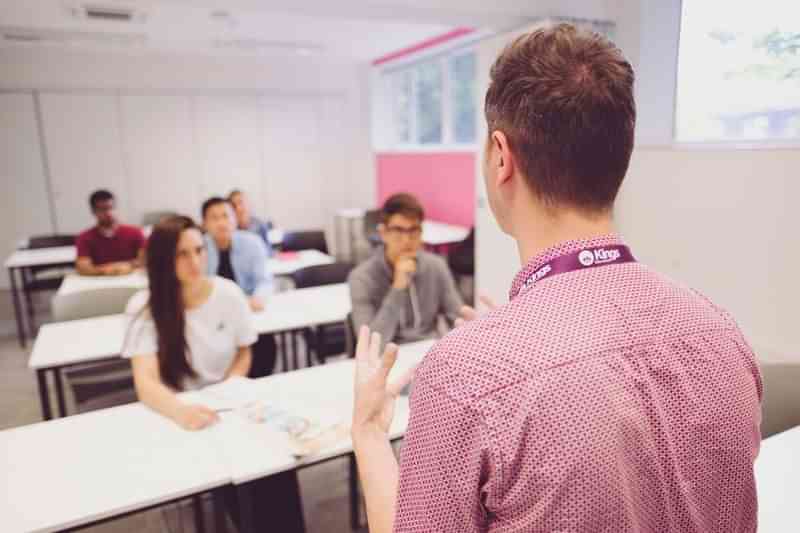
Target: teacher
603, 396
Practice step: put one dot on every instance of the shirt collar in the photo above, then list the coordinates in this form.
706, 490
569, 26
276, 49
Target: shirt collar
562, 248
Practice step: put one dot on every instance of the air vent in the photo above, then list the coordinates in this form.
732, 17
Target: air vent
116, 14
105, 13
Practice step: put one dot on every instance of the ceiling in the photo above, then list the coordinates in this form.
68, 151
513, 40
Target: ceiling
353, 29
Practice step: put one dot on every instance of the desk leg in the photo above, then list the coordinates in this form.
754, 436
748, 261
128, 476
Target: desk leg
199, 517
18, 314
62, 402
355, 501
220, 521
284, 351
244, 495
44, 396
295, 358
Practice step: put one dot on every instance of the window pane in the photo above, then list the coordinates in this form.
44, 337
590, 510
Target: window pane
429, 103
738, 71
400, 83
462, 97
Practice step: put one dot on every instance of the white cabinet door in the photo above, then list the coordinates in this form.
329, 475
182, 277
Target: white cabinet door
84, 152
292, 162
24, 206
164, 174
229, 145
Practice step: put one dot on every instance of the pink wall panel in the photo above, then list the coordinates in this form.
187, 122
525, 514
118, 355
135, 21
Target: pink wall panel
443, 182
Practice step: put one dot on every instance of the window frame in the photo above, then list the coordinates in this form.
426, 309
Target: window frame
384, 117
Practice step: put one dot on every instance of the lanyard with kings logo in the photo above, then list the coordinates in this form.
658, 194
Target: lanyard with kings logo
581, 260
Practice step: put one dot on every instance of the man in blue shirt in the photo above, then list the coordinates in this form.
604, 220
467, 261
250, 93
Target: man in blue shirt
241, 257
246, 221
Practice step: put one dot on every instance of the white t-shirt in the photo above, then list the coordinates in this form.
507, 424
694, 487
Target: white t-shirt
214, 331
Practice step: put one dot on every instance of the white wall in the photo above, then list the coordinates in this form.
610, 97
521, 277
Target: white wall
725, 223
165, 132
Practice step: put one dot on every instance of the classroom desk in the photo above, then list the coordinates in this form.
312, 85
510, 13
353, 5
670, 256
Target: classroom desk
437, 235
778, 482
287, 263
284, 265
40, 257
324, 392
90, 468
64, 344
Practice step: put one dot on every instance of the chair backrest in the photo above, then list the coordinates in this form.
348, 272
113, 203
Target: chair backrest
91, 303
296, 241
371, 220
318, 275
154, 217
462, 257
350, 338
50, 241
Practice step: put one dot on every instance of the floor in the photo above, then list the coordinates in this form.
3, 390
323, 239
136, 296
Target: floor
324, 487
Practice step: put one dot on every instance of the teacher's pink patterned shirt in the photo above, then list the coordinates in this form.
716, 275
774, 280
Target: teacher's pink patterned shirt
608, 399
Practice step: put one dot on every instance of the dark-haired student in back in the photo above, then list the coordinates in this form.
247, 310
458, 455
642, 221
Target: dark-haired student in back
603, 396
402, 290
246, 221
109, 248
190, 330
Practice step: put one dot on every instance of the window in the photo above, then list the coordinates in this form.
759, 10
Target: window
430, 103
738, 71
462, 97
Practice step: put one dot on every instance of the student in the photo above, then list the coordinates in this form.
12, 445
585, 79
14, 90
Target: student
246, 221
190, 330
603, 396
109, 248
401, 290
240, 257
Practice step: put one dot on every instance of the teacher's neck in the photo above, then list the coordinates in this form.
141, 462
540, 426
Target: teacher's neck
536, 232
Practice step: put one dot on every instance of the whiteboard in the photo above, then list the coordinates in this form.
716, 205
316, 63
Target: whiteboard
84, 150
293, 163
164, 174
228, 136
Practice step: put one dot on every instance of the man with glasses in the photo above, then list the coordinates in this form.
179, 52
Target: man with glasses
109, 248
401, 290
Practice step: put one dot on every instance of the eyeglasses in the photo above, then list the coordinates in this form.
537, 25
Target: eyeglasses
414, 232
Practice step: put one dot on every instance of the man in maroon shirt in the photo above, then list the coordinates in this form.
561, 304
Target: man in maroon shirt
603, 396
109, 248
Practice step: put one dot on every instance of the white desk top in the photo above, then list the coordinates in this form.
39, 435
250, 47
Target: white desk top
42, 257
289, 263
77, 283
325, 392
78, 341
76, 470
778, 481
438, 233
279, 266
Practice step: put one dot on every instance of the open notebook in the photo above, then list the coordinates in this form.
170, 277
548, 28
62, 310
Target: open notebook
307, 432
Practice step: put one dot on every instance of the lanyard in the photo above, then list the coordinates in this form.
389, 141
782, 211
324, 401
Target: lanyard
587, 258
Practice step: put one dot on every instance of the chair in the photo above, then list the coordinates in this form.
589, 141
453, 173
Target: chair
296, 241
152, 218
372, 219
97, 385
43, 278
330, 339
462, 263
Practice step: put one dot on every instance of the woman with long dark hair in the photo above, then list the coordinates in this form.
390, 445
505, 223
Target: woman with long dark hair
190, 330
